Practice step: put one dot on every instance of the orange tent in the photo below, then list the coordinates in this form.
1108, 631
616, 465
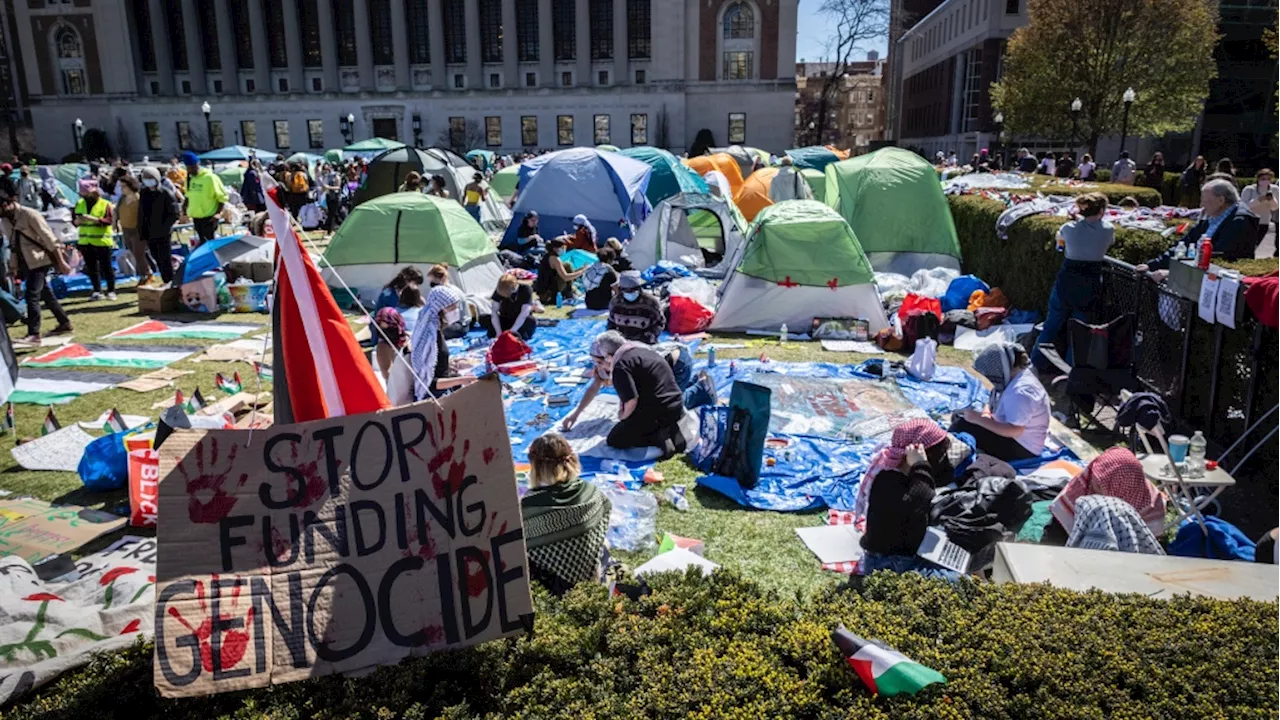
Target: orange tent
754, 195
842, 154
723, 162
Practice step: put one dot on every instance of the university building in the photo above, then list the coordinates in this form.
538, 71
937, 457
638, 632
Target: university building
306, 75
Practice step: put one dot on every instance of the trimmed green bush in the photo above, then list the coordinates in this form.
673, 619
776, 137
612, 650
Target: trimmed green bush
722, 648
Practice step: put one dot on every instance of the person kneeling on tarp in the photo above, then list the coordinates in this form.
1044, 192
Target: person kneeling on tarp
1018, 424
650, 402
896, 495
565, 519
698, 389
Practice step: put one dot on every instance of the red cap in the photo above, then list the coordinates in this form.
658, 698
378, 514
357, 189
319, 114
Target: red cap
1210, 464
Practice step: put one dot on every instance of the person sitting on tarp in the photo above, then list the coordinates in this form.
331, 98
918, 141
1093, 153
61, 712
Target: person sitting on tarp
634, 312
512, 308
650, 403
584, 235
527, 237
565, 519
555, 279
601, 281
459, 319
430, 356
1115, 473
1017, 424
896, 495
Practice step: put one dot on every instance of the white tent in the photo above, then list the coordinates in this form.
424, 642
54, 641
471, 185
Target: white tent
800, 261
668, 234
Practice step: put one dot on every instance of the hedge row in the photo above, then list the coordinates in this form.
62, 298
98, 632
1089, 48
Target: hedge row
1171, 187
722, 648
1024, 266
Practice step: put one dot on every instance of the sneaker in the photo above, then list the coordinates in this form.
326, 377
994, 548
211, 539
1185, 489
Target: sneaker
29, 341
111, 296
95, 296
63, 329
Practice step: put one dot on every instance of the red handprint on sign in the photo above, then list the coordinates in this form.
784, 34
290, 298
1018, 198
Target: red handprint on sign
315, 486
445, 441
208, 500
234, 642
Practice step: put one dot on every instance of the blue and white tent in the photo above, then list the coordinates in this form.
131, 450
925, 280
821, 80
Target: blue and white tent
609, 188
237, 152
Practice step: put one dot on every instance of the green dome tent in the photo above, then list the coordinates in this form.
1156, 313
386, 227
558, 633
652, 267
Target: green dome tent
817, 182
505, 180
801, 260
386, 234
893, 201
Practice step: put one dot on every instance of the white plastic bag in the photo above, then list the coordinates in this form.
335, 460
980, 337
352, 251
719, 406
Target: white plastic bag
696, 288
924, 360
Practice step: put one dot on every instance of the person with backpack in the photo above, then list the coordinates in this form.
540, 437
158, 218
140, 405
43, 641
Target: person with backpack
299, 187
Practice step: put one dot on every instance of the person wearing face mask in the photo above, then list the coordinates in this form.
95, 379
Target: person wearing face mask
1018, 422
94, 217
1261, 199
635, 313
512, 308
555, 279
157, 213
35, 252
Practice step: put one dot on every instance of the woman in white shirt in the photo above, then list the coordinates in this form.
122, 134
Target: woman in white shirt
1087, 167
1017, 422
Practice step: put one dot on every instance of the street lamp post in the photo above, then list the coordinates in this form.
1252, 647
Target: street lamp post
208, 124
417, 130
78, 133
351, 125
1076, 106
1129, 97
999, 118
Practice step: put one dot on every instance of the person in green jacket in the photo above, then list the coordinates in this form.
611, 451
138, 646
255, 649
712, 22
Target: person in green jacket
94, 217
205, 198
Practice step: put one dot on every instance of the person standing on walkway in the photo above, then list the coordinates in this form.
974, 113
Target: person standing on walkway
205, 198
94, 217
157, 213
28, 189
35, 252
1261, 198
127, 223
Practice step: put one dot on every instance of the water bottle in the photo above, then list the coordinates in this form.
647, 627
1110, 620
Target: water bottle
1195, 455
782, 335
675, 496
1180, 251
711, 356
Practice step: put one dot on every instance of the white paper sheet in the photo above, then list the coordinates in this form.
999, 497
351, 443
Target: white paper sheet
1228, 290
59, 450
860, 346
832, 543
1209, 298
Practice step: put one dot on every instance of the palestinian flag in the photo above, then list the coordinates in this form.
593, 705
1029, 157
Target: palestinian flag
51, 423
57, 386
196, 403
231, 385
115, 422
159, 330
885, 671
178, 399
145, 357
263, 371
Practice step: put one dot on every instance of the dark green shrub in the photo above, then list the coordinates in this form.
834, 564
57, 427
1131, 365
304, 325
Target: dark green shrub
721, 648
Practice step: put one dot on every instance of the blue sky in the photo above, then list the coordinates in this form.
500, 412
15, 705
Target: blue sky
812, 32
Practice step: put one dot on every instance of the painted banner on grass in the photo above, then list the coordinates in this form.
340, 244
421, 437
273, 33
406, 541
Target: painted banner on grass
336, 545
160, 330
146, 357
56, 386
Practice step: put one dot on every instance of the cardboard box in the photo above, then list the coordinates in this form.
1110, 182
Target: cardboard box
258, 272
154, 300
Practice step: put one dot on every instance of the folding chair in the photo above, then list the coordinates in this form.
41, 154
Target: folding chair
1100, 370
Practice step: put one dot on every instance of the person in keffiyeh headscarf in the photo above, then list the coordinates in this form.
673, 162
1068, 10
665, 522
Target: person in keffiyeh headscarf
1109, 523
430, 358
1115, 473
1017, 424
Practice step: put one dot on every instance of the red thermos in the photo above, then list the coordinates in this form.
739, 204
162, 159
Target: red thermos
1205, 253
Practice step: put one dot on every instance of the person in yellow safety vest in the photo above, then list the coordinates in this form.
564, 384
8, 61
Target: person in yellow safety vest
205, 198
94, 217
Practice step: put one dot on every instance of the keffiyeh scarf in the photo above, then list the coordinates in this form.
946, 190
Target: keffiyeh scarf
1108, 523
996, 362
425, 333
913, 432
564, 532
1115, 473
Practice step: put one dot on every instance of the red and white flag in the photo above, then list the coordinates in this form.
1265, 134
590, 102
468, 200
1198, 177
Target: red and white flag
327, 373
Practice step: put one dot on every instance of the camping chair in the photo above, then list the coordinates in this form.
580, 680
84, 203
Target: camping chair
1101, 367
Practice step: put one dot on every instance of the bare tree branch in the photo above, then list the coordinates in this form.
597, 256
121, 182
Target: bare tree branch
856, 26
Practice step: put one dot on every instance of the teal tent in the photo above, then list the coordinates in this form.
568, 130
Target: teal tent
669, 177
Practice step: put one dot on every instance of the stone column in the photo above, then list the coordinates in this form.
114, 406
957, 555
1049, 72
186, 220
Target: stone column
475, 71
400, 45
510, 57
160, 39
582, 37
227, 49
293, 46
546, 46
328, 46
364, 46
261, 59
195, 50
440, 79
620, 73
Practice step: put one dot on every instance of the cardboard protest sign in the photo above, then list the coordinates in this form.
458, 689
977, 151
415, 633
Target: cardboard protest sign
336, 545
34, 530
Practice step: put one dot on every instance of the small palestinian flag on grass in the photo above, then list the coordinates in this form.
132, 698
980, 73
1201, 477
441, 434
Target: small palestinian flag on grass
263, 371
115, 422
231, 385
885, 671
196, 403
51, 423
8, 418
179, 400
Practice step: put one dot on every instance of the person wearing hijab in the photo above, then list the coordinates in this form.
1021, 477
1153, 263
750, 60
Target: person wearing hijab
584, 235
430, 358
896, 495
1115, 473
1017, 422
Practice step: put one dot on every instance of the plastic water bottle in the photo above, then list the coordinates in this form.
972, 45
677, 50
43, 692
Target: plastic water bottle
675, 496
711, 356
1180, 251
782, 334
1195, 455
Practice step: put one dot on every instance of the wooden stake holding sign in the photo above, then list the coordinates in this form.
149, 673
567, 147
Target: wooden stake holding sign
337, 545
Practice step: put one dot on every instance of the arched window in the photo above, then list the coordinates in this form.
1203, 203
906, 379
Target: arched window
70, 53
739, 22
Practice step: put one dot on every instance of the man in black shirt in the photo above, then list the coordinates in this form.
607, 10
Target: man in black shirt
650, 403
